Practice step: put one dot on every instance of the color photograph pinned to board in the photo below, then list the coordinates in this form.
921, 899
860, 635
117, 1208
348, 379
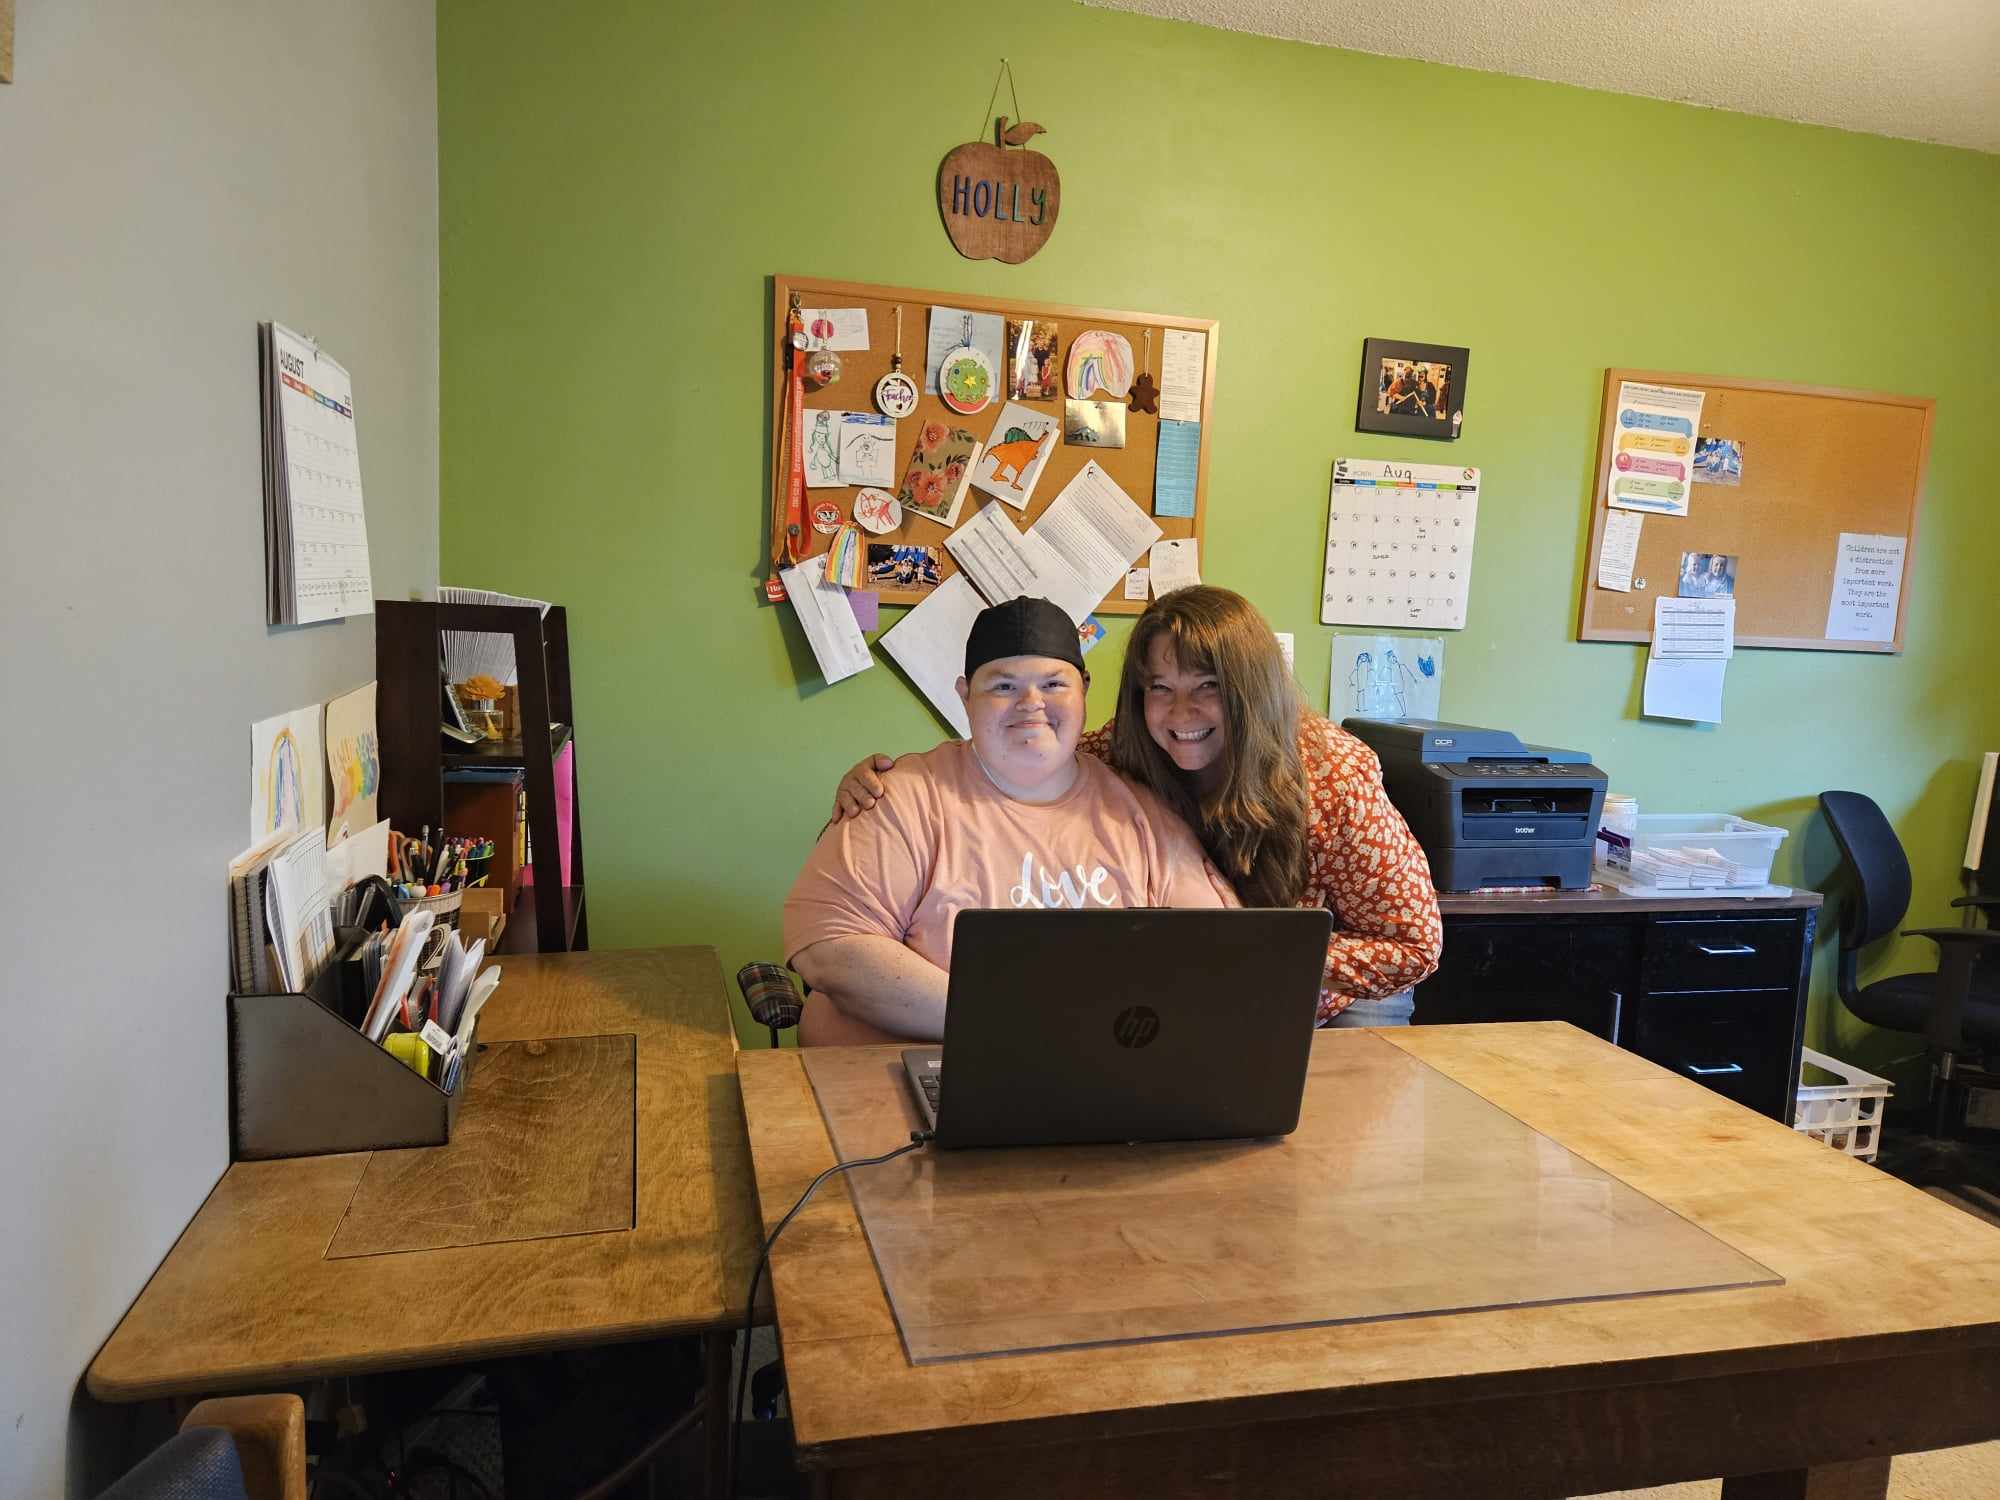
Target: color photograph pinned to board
1033, 372
1094, 424
1707, 575
1015, 454
1089, 631
899, 565
1718, 460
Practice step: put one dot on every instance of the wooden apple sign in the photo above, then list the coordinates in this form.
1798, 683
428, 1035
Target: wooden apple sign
999, 201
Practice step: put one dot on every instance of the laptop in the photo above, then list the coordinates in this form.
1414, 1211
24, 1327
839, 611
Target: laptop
1072, 1027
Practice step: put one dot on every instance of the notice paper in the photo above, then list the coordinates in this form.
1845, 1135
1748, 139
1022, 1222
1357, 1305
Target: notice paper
1176, 464
1620, 550
1004, 564
1867, 583
928, 643
1693, 640
1181, 362
1685, 688
1095, 528
1653, 453
1139, 584
1175, 564
867, 448
835, 327
1694, 628
831, 629
948, 331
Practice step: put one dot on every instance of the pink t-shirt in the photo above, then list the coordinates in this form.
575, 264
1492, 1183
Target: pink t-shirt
945, 839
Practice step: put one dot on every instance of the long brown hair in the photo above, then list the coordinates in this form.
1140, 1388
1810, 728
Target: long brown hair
1254, 823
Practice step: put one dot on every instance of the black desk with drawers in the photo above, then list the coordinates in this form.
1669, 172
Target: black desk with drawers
1712, 989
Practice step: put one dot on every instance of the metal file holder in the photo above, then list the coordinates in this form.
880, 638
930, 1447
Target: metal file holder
304, 1081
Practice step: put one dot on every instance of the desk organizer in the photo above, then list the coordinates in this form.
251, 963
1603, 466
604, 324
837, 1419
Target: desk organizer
303, 1081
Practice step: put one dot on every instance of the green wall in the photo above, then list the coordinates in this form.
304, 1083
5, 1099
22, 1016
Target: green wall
618, 182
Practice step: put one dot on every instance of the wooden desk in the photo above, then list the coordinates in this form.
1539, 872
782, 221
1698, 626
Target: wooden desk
1712, 988
1885, 1337
254, 1295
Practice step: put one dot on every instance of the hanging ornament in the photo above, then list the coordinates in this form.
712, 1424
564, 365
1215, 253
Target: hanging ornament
822, 366
878, 510
965, 378
1146, 395
896, 393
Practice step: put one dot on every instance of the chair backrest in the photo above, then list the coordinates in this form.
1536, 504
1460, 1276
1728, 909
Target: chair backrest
1882, 871
200, 1463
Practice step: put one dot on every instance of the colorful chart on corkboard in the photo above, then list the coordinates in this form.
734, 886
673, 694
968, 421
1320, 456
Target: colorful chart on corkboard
987, 416
1793, 497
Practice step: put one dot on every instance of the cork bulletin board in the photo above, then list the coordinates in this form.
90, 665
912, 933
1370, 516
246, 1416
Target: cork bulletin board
1816, 462
1132, 466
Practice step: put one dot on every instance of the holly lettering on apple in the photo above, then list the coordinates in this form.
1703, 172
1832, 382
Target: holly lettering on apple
999, 201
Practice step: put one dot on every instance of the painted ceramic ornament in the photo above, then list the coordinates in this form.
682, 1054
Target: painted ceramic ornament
878, 511
895, 393
826, 518
965, 380
822, 367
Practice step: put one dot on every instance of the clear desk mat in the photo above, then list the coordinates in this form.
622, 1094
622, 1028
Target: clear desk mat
1401, 1193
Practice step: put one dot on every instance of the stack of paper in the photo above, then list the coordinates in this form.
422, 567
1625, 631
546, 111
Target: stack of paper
280, 912
315, 532
1074, 555
1693, 640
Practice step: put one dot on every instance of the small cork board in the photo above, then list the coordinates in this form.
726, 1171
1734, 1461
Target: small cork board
1132, 466
1816, 462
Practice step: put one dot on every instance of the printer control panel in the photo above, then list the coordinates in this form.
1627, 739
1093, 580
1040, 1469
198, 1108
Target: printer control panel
1512, 768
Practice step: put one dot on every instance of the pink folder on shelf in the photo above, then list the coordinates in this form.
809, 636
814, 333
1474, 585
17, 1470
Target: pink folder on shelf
565, 775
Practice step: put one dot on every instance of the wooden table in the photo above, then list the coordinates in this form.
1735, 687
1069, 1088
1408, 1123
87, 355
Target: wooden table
289, 1271
1884, 1337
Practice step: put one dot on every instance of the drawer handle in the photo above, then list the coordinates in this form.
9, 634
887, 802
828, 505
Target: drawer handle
1734, 950
1701, 1072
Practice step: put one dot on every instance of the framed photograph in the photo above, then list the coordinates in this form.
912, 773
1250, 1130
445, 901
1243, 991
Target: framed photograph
1411, 390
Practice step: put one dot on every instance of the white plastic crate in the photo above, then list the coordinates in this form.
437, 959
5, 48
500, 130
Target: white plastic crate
1846, 1115
1748, 847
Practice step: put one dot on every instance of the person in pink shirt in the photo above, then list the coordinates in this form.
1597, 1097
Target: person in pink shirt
1013, 817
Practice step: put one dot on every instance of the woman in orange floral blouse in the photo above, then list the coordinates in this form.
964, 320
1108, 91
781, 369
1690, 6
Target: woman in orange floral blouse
1288, 804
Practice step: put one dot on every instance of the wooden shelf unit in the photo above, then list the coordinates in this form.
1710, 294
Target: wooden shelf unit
409, 655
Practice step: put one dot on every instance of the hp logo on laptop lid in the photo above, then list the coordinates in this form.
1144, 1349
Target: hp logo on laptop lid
1136, 1026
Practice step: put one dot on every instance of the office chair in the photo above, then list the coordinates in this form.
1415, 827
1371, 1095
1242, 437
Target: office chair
1956, 1009
234, 1448
767, 991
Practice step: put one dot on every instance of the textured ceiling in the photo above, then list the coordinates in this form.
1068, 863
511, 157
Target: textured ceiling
1925, 70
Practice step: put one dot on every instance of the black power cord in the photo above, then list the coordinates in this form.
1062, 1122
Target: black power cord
918, 1140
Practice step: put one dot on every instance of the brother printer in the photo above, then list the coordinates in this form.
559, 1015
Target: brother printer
1488, 809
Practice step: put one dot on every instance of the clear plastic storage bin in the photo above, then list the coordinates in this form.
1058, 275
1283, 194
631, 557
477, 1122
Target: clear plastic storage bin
1747, 848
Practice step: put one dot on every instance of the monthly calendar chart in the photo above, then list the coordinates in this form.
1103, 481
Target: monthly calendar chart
1399, 544
323, 471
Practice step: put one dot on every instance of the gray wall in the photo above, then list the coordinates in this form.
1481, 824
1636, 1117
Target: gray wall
169, 175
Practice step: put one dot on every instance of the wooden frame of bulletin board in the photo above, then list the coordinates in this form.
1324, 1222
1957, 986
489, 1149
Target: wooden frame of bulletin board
1817, 461
1131, 466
